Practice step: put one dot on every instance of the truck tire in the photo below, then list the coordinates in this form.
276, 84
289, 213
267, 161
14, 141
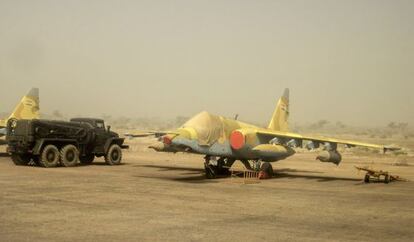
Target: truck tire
20, 160
114, 155
69, 156
50, 156
87, 159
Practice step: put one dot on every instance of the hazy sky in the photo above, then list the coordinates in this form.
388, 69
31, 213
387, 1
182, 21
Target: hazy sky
343, 60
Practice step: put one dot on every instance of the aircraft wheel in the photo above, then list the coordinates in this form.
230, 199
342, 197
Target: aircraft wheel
211, 171
69, 155
50, 156
366, 179
20, 160
222, 168
224, 171
267, 168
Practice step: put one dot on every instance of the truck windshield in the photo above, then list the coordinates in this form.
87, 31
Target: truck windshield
100, 125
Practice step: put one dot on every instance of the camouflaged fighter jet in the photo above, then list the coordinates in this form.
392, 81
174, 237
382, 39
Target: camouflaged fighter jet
27, 108
231, 140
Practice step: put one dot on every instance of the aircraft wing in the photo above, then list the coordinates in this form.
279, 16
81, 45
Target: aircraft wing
137, 135
322, 140
148, 133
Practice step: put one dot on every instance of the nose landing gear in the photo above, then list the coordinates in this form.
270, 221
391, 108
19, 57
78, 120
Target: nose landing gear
214, 168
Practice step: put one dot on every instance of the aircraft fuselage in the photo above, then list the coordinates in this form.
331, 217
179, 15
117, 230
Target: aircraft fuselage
218, 136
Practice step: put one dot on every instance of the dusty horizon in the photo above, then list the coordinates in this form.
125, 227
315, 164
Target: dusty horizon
348, 61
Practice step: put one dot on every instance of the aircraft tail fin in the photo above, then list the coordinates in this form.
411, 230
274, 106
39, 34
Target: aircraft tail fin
280, 116
27, 108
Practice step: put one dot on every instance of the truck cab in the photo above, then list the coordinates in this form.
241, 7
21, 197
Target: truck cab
103, 135
94, 122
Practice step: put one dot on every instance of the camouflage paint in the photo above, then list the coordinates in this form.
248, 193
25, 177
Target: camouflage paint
27, 108
214, 135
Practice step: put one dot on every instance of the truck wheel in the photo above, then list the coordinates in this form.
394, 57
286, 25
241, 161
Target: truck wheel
114, 155
50, 156
20, 160
69, 155
87, 159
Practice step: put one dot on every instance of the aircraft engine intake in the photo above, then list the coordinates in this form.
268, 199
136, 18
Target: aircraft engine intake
332, 156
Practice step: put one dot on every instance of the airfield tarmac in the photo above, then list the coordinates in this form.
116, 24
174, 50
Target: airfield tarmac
159, 196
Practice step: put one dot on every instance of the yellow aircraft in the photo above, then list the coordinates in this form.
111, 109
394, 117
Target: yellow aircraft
231, 140
27, 108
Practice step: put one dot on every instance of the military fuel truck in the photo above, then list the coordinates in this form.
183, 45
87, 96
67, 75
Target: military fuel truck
50, 143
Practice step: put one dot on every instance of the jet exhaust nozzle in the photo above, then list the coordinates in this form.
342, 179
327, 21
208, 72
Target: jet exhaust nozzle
331, 156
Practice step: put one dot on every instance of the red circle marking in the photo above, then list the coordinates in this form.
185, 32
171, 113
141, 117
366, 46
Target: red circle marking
236, 140
166, 140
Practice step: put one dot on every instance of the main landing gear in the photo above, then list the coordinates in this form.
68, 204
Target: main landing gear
266, 170
220, 167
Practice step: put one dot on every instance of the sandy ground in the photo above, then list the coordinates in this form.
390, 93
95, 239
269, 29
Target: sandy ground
155, 196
